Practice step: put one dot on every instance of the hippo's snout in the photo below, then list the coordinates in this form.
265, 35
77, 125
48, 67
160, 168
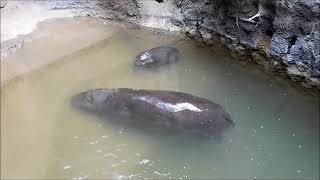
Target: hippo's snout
144, 59
80, 101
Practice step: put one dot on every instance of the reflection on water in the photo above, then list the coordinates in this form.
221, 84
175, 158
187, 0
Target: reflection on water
42, 136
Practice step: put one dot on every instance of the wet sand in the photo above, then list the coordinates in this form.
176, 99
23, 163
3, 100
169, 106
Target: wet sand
52, 40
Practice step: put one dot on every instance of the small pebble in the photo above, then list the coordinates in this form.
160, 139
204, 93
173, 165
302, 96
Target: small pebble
115, 165
94, 142
144, 161
66, 167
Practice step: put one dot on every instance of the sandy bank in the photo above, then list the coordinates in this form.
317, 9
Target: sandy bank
19, 18
52, 40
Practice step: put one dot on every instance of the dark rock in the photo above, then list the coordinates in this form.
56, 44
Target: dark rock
278, 47
3, 4
159, 1
119, 10
300, 54
315, 47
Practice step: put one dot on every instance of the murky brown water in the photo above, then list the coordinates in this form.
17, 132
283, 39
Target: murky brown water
276, 132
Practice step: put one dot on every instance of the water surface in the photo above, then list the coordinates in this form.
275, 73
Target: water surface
42, 136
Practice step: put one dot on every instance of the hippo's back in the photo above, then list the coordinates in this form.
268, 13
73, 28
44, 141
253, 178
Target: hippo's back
163, 50
178, 109
164, 54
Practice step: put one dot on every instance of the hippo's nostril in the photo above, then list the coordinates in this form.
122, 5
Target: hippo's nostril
77, 101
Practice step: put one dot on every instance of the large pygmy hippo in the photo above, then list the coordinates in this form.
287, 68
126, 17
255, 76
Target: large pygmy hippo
156, 107
157, 56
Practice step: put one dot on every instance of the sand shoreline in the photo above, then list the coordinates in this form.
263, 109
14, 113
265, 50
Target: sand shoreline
52, 40
21, 24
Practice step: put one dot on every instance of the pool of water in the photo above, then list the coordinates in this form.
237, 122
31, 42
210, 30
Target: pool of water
276, 133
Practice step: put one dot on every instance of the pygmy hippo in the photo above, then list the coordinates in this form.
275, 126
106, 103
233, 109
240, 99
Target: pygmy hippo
157, 56
161, 108
168, 109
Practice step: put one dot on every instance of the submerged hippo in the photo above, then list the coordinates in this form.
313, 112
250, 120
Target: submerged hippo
157, 56
168, 109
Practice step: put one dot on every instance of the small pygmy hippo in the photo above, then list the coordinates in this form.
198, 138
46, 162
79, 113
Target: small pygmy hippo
157, 56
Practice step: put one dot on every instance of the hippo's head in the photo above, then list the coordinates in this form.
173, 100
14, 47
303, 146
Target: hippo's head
144, 59
95, 100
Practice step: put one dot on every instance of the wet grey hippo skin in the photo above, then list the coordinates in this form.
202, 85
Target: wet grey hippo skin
157, 56
157, 107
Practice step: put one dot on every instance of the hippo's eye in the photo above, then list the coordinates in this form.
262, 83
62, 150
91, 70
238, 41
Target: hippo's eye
89, 98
